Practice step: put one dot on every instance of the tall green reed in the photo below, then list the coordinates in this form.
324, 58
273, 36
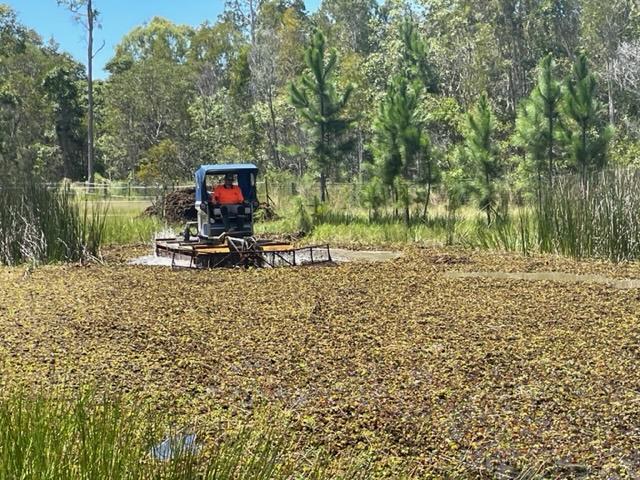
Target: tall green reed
593, 217
40, 224
581, 217
83, 437
514, 232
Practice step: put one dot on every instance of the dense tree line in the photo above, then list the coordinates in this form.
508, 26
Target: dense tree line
498, 96
42, 128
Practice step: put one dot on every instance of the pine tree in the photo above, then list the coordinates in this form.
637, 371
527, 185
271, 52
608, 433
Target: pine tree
423, 78
529, 135
483, 155
415, 58
585, 131
547, 96
537, 122
321, 107
400, 144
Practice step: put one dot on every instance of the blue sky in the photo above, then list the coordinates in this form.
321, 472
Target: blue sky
118, 17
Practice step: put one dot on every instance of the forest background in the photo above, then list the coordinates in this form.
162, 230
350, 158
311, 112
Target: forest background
485, 101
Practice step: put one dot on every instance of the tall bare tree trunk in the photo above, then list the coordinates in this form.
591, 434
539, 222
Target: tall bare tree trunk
360, 153
323, 163
274, 129
323, 187
90, 21
612, 111
252, 22
428, 195
550, 150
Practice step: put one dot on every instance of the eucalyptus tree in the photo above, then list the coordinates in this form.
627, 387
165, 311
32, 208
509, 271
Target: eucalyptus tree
152, 83
464, 47
244, 13
626, 69
28, 115
349, 24
494, 46
605, 26
13, 35
146, 104
62, 88
265, 81
159, 39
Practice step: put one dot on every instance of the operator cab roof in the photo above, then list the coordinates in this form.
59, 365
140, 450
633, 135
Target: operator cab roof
226, 168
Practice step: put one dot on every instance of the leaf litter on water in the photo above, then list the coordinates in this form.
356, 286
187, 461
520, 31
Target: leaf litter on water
468, 375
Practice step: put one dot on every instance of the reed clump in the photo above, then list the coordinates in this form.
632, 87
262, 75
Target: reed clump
591, 217
39, 224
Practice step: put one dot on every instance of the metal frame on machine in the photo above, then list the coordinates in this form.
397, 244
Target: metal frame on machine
260, 254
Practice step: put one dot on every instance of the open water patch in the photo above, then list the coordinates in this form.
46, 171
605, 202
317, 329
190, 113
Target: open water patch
338, 255
176, 446
157, 261
342, 255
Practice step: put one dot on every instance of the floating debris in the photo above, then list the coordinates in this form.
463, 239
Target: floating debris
474, 376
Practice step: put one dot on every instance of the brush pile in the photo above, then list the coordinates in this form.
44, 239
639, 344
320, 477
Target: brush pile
175, 207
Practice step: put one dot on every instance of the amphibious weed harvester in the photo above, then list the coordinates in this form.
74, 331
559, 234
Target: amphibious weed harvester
225, 233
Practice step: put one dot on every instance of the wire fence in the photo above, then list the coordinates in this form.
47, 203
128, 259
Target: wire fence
272, 192
283, 196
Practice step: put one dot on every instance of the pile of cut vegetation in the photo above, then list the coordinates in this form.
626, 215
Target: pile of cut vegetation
175, 207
